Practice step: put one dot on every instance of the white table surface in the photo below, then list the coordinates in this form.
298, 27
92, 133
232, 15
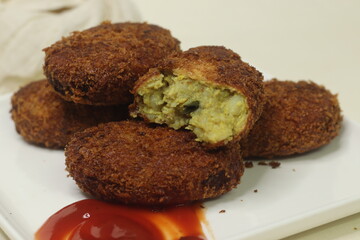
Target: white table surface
310, 40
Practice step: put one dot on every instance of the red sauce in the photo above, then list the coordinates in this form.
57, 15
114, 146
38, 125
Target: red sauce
96, 220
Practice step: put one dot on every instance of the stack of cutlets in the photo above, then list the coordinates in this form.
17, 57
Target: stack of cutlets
195, 114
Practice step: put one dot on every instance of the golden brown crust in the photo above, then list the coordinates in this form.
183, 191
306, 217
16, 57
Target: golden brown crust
217, 65
297, 117
44, 118
135, 163
99, 66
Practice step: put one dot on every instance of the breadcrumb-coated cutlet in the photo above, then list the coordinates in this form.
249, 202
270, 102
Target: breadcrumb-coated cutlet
208, 90
99, 66
135, 163
297, 117
42, 117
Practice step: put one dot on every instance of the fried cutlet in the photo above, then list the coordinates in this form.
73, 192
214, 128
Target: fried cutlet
133, 162
99, 66
208, 90
42, 117
297, 117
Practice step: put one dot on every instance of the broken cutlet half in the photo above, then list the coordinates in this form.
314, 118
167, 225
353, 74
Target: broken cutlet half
208, 90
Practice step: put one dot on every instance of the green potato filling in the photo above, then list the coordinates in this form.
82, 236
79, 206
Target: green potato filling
214, 113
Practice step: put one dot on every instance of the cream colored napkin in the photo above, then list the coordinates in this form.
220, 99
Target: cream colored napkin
28, 26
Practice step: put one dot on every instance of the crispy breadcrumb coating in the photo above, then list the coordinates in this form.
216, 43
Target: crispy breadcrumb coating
99, 66
135, 163
42, 117
297, 117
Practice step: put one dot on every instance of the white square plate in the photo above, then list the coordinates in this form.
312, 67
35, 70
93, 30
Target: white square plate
304, 192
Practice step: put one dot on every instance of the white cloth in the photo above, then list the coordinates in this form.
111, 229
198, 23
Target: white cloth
28, 26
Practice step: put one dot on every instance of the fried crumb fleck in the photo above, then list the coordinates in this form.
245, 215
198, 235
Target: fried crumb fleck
274, 164
222, 211
355, 228
255, 191
249, 164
